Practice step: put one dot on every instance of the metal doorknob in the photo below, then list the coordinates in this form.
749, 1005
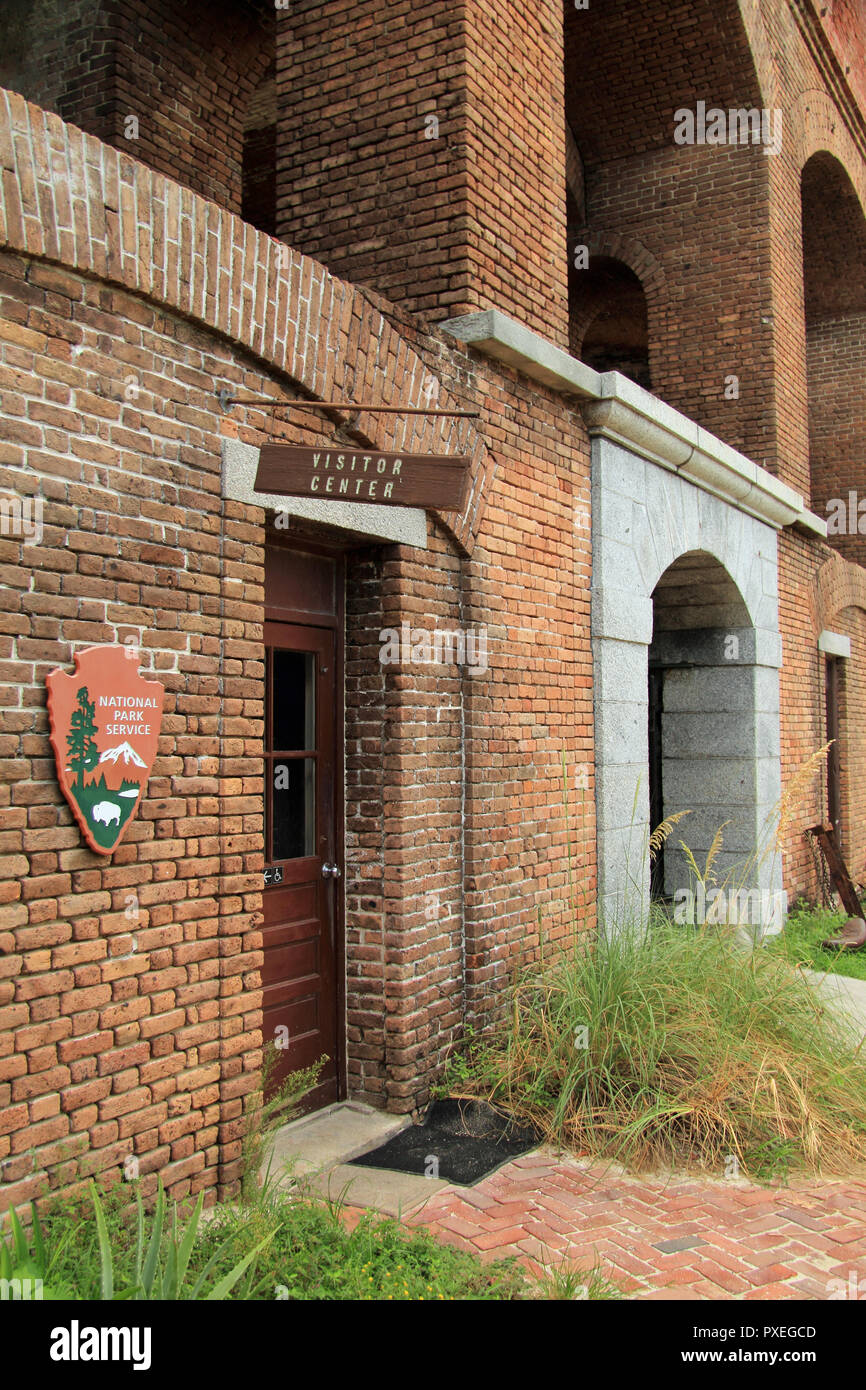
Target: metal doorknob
330, 871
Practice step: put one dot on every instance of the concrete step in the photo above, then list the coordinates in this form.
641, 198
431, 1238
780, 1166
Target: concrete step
331, 1136
317, 1148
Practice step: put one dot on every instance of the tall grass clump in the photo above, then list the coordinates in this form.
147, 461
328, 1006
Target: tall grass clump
669, 1045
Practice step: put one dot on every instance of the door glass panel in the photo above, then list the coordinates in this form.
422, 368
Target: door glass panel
294, 808
294, 696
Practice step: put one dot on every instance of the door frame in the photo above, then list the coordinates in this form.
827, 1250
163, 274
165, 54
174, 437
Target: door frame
833, 712
337, 624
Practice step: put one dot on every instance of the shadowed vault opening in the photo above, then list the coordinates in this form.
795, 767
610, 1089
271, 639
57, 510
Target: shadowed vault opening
608, 319
701, 721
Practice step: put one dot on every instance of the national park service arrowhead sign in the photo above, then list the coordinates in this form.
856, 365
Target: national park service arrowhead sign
104, 731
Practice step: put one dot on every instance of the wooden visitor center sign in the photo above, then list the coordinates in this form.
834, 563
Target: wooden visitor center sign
346, 475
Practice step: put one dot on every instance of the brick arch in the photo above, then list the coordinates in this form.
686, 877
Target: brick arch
639, 260
73, 201
841, 584
631, 252
818, 127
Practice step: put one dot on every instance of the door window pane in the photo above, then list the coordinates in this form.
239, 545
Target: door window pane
294, 701
294, 803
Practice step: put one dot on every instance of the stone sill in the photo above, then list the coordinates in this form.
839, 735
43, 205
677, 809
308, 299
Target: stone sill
618, 409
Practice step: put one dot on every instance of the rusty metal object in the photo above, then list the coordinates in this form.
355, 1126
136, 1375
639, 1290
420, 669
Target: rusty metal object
851, 937
826, 837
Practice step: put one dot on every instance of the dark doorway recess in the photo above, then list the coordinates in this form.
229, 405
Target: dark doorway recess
467, 1139
656, 793
834, 761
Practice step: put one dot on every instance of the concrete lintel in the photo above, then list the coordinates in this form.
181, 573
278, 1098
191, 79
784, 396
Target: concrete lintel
619, 409
639, 421
507, 340
405, 525
810, 524
834, 643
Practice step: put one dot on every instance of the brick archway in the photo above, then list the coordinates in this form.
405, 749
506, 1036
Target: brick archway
818, 127
631, 252
841, 584
122, 223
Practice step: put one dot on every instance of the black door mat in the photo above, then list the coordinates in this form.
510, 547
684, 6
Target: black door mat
459, 1140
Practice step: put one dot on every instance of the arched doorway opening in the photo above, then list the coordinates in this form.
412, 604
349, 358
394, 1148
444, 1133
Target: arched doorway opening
608, 319
704, 743
834, 291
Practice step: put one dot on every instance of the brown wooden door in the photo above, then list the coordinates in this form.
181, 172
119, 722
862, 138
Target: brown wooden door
301, 864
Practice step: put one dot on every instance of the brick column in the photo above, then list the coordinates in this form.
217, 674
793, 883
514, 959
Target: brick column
421, 150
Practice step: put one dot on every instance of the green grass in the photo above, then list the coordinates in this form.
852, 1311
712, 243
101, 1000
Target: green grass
567, 1281
800, 942
311, 1255
674, 1047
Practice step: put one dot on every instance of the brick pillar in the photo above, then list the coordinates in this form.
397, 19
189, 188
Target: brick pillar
168, 84
421, 150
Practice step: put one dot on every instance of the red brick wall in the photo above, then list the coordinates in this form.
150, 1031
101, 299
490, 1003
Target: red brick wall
697, 214
841, 603
143, 1037
404, 792
366, 914
852, 622
455, 818
713, 232
837, 425
801, 692
444, 225
130, 1017
819, 589
845, 25
186, 73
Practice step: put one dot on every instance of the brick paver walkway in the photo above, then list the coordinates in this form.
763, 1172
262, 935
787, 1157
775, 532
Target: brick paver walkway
680, 1237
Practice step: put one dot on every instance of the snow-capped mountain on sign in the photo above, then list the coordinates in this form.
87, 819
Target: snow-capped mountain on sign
124, 751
